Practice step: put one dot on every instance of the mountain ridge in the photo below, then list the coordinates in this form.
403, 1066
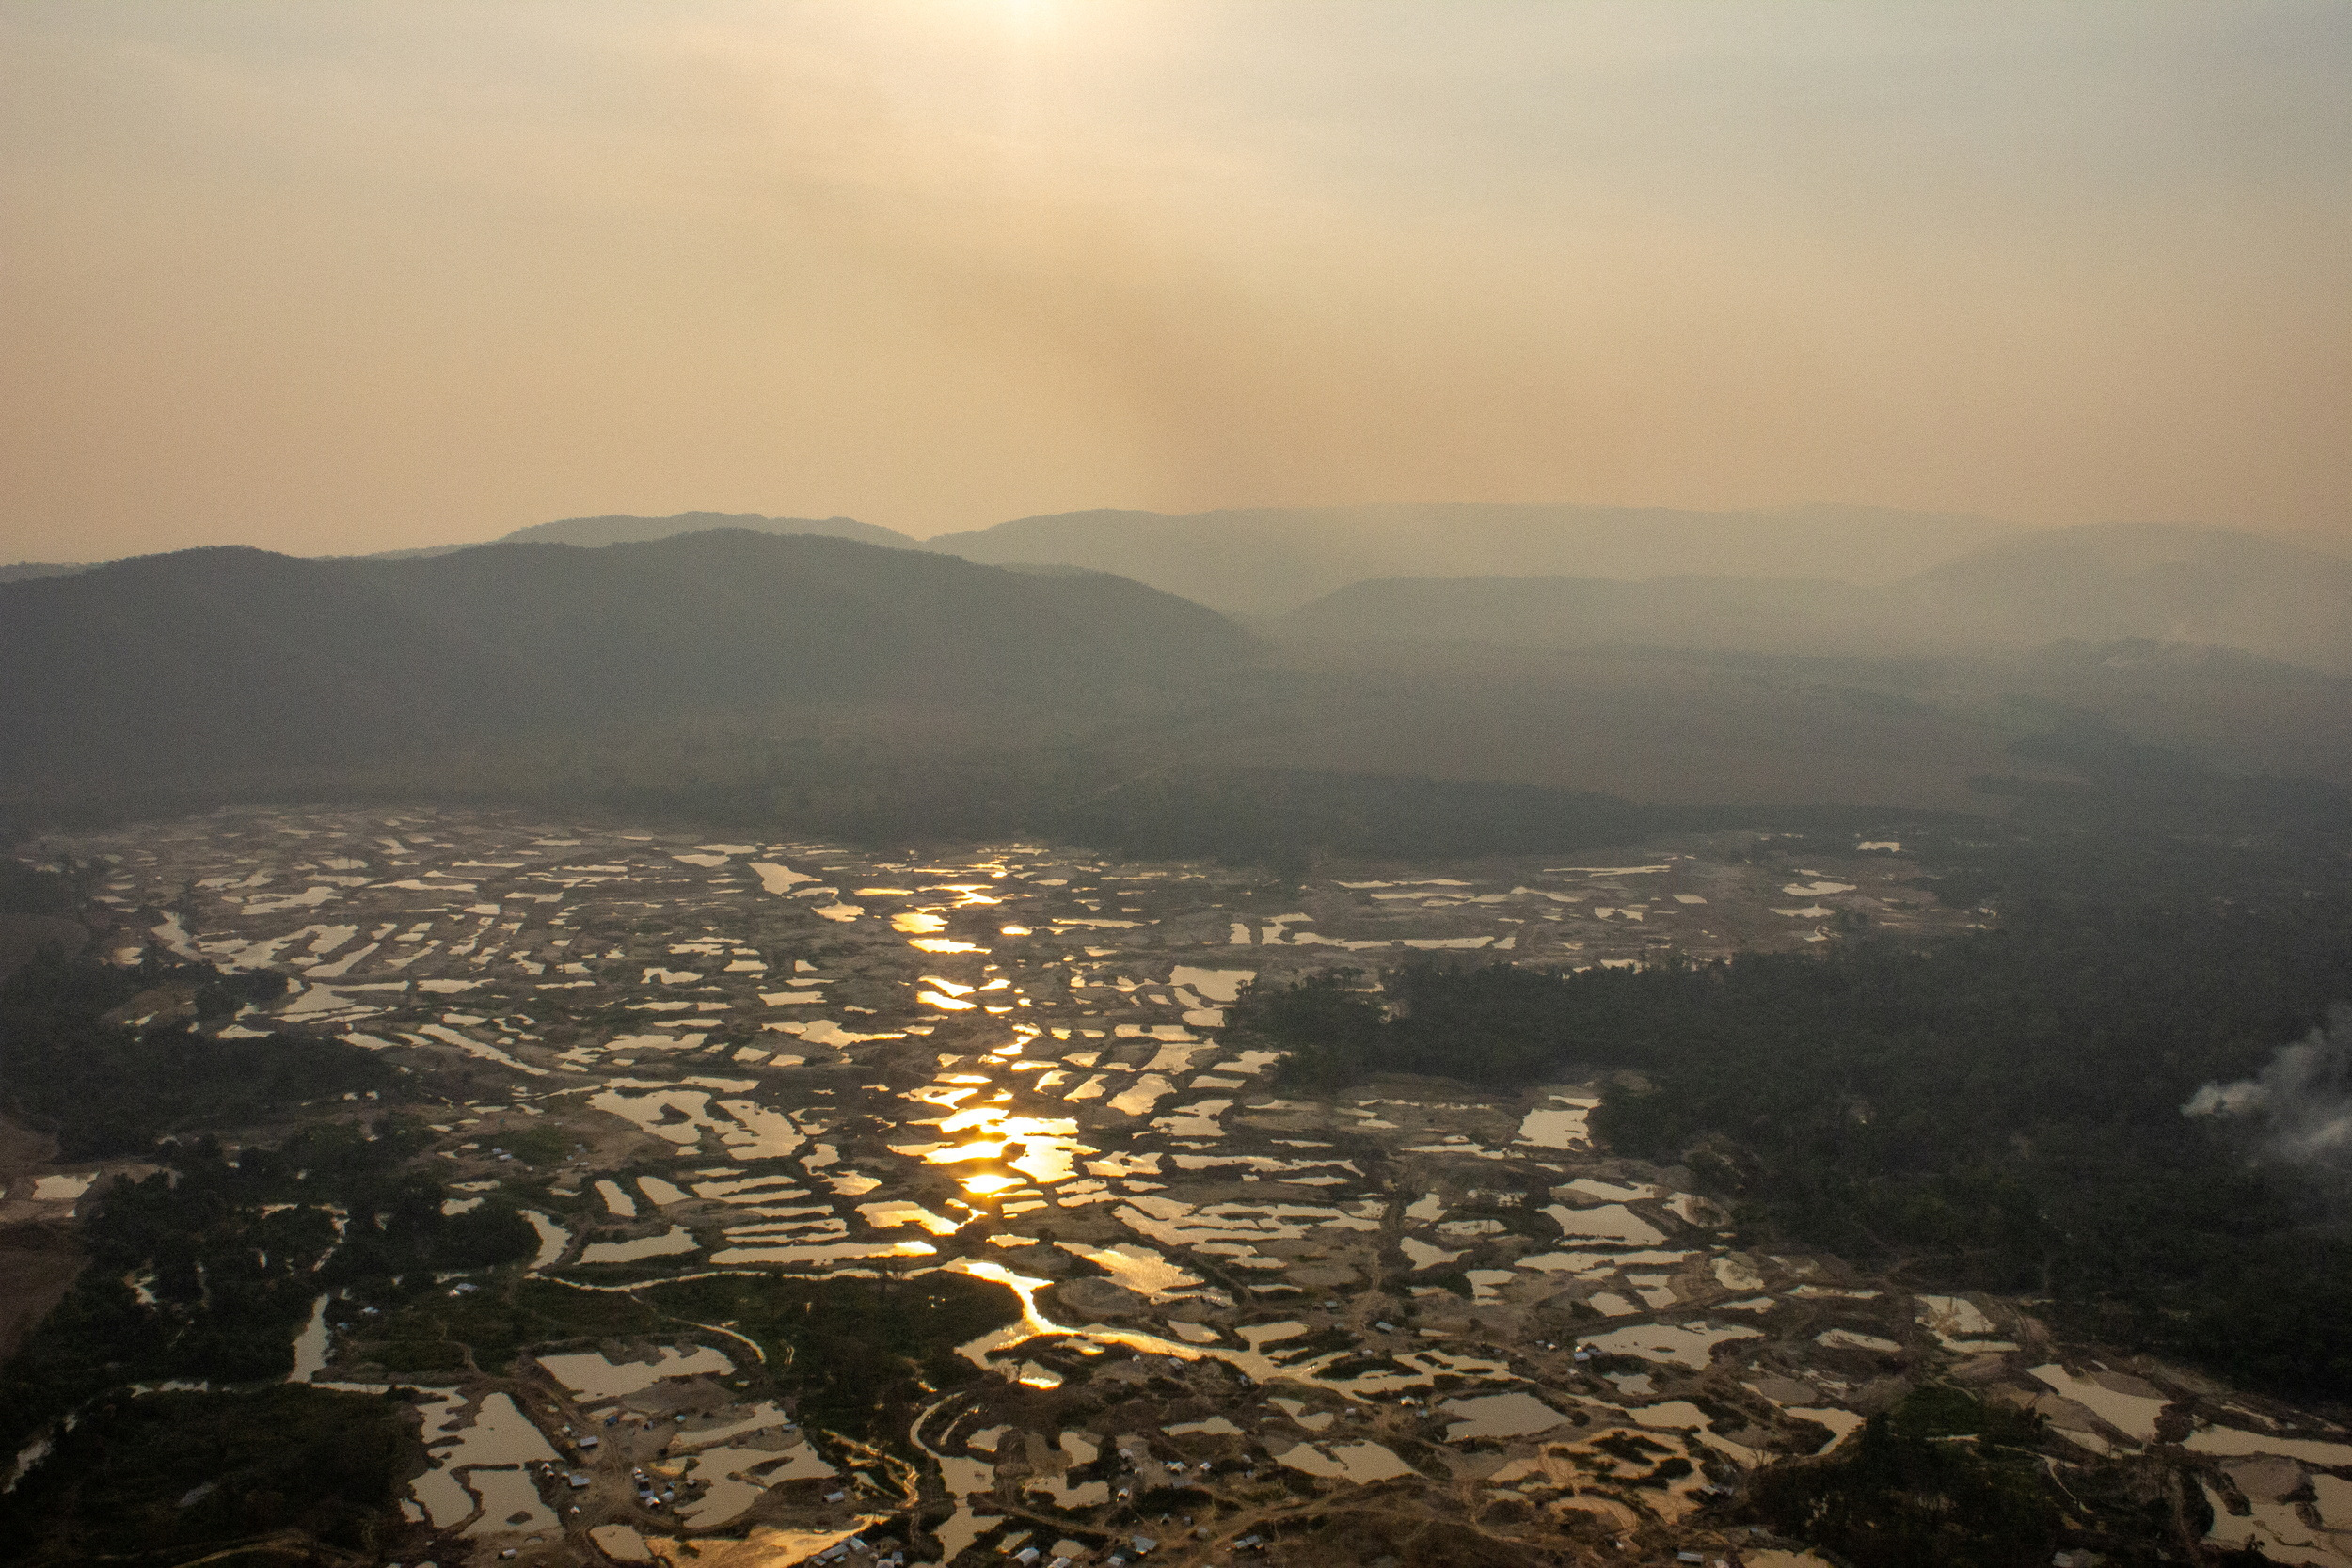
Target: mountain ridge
2096, 583
198, 657
1260, 562
620, 527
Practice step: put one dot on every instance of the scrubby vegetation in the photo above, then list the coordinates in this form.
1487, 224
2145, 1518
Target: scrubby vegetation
109, 1089
2003, 1112
162, 1478
26, 891
206, 1270
427, 1333
851, 1348
1939, 1482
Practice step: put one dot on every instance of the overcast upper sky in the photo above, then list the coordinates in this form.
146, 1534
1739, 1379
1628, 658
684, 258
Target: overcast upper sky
349, 277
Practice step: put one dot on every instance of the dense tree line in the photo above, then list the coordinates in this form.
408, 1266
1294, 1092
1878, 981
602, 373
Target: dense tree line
161, 1477
862, 1354
26, 891
108, 1089
862, 781
856, 1356
206, 1270
1127, 778
1941, 1481
2002, 1112
2143, 824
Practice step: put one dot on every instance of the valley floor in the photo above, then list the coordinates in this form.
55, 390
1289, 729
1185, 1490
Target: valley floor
1249, 1322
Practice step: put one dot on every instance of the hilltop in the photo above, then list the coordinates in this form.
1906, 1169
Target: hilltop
620, 529
2165, 583
214, 658
1265, 561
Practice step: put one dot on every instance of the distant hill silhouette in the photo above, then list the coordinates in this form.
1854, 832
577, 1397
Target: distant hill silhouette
1265, 560
222, 657
619, 529
590, 533
2163, 583
2168, 581
1732, 614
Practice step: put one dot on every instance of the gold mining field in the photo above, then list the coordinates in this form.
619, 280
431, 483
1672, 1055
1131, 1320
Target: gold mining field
1253, 1326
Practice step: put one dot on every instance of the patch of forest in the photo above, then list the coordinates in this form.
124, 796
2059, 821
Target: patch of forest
859, 1355
160, 1477
107, 1089
207, 1269
1140, 777
204, 1271
1946, 1480
916, 789
854, 1354
210, 661
2002, 1111
26, 891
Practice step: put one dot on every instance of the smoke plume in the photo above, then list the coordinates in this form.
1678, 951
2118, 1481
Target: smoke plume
2303, 1098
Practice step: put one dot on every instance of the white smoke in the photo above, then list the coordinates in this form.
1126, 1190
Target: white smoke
2303, 1098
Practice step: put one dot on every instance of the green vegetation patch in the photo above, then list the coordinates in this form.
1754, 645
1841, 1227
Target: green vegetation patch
207, 1270
106, 1090
26, 891
434, 1330
538, 1145
1939, 1482
852, 1349
2004, 1109
160, 1478
854, 1353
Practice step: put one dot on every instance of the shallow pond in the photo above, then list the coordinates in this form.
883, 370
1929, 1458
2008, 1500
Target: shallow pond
593, 1377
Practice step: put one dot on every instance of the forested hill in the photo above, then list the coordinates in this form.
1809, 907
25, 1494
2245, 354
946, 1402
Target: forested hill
231, 657
1265, 561
2167, 585
620, 529
2002, 1112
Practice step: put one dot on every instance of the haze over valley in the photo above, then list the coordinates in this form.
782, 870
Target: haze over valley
1007, 784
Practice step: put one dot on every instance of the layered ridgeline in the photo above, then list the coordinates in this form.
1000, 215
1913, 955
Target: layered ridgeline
591, 532
2104, 583
1837, 581
216, 658
620, 529
1810, 580
1265, 561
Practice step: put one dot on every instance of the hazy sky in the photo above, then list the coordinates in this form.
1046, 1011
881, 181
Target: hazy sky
350, 277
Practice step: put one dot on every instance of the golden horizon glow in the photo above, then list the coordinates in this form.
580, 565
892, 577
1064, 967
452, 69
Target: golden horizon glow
334, 279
